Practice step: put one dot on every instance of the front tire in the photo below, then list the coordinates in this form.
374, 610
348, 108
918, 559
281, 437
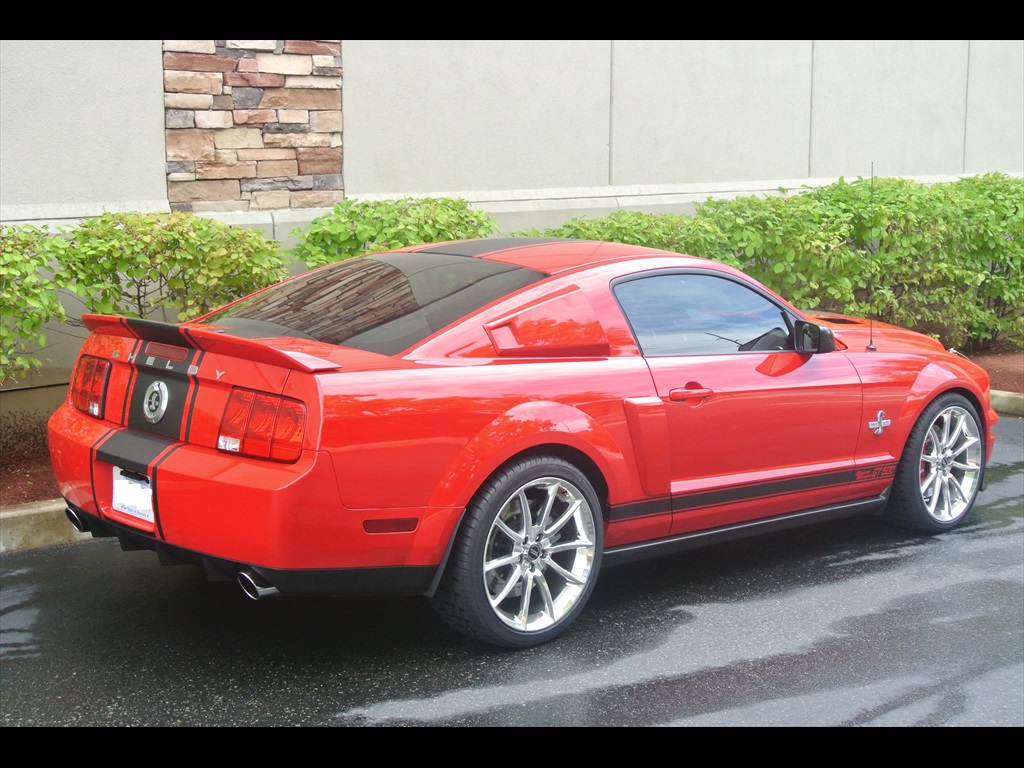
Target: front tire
940, 472
527, 556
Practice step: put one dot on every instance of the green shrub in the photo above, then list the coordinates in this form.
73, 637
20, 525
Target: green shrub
178, 265
632, 227
28, 287
946, 259
353, 228
794, 245
993, 246
901, 234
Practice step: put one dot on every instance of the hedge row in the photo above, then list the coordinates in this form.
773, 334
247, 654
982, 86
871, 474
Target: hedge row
169, 266
946, 259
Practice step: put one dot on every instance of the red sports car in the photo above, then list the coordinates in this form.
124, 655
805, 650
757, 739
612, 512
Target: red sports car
486, 422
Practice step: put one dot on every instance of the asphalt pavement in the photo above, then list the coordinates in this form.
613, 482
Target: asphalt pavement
849, 623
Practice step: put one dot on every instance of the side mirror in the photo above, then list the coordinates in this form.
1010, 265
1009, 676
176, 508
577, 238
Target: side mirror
812, 338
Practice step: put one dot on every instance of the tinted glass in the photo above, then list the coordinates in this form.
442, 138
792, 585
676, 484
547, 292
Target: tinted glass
689, 314
384, 303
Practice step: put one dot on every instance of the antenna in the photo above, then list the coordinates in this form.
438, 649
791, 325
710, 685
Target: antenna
871, 321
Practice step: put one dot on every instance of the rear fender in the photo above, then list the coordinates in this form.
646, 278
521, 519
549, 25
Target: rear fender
525, 427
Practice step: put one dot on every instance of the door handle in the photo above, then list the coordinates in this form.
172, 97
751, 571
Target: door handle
689, 393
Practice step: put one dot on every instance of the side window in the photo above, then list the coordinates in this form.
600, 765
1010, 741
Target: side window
691, 314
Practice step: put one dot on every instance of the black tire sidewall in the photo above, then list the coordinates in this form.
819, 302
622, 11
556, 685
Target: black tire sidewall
466, 567
907, 504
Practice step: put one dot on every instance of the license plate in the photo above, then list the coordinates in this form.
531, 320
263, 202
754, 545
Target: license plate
133, 495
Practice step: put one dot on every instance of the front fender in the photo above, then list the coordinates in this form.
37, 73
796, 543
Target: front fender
937, 378
527, 426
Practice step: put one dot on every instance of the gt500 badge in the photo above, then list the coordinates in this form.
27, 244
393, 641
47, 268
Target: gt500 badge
154, 404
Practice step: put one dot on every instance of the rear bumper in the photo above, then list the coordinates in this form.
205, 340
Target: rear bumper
401, 580
225, 512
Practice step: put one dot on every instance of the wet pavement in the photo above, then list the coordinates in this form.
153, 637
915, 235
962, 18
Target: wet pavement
853, 623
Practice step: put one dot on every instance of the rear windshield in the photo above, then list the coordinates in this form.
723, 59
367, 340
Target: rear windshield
384, 303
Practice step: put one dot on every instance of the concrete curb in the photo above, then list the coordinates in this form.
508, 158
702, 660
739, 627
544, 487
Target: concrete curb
40, 524
1008, 403
44, 524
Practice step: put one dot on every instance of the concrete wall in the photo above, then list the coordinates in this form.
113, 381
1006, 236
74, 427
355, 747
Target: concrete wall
538, 131
504, 114
710, 111
994, 130
81, 128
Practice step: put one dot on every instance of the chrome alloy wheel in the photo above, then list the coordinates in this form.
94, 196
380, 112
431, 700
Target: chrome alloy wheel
951, 461
539, 554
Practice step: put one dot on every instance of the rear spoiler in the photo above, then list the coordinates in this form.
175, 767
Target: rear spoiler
297, 354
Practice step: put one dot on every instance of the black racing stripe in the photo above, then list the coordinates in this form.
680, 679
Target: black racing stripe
156, 496
187, 333
488, 245
719, 497
659, 506
194, 364
133, 374
153, 330
699, 500
93, 451
123, 321
689, 502
133, 450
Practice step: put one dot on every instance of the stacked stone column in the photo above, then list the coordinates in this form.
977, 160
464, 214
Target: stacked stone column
253, 124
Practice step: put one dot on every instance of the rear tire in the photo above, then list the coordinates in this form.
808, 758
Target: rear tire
939, 475
527, 556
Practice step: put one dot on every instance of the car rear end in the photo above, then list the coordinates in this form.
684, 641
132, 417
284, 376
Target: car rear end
203, 447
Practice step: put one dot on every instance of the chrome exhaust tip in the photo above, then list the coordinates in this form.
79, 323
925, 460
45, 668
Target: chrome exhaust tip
76, 520
255, 587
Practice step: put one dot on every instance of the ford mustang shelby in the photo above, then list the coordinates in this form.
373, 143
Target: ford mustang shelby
487, 422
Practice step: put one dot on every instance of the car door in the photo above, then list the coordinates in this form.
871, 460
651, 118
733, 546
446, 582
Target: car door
756, 428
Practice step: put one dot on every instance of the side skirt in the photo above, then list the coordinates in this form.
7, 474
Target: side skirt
629, 553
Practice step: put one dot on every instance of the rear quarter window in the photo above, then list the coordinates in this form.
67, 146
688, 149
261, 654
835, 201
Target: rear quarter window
384, 303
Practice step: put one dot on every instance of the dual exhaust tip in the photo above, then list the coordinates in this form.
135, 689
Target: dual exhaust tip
77, 520
253, 585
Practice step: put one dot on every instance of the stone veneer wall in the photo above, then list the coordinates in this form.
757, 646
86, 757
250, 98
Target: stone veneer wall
252, 124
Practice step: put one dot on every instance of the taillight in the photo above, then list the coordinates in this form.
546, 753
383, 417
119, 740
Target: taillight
89, 388
262, 425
